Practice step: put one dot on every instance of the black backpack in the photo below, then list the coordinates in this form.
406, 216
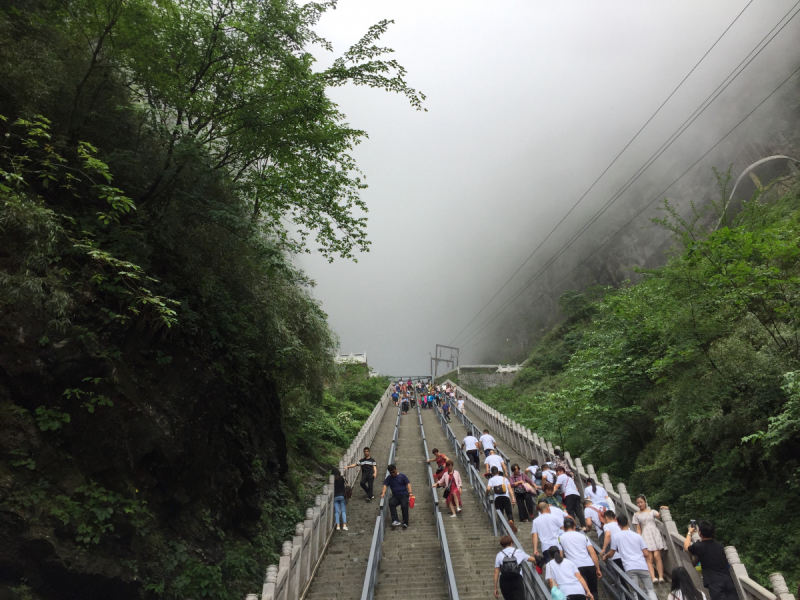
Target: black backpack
509, 564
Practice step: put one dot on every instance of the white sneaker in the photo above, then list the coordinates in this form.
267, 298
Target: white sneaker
453, 516
345, 527
337, 528
395, 523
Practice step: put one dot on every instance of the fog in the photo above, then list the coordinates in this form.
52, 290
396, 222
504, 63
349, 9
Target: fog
528, 102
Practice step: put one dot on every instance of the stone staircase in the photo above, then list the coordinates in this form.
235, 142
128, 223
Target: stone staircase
412, 566
340, 575
470, 535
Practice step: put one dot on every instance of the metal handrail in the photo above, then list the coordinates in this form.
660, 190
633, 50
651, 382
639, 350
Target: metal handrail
449, 573
535, 587
376, 548
615, 581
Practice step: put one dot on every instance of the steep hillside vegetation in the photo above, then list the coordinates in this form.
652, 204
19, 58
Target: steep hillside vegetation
687, 385
166, 380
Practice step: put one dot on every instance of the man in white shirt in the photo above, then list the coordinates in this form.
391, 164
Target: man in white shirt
569, 491
546, 528
461, 403
471, 445
548, 475
487, 442
609, 531
579, 550
634, 554
493, 460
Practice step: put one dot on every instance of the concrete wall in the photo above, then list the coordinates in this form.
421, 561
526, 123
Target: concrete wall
485, 380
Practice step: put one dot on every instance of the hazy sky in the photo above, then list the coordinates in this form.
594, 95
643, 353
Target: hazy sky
528, 102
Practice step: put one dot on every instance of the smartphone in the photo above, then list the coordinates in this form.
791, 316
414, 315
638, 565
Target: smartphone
693, 524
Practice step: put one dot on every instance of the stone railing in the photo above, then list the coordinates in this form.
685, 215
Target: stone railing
530, 445
301, 555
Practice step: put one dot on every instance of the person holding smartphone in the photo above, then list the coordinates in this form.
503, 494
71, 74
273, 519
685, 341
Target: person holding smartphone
711, 554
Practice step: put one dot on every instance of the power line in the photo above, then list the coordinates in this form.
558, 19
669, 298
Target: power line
604, 171
646, 206
664, 147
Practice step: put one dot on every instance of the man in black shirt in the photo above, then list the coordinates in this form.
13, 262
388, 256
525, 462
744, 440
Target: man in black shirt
711, 556
369, 471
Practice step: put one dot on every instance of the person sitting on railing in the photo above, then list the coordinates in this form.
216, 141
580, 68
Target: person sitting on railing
711, 555
401, 491
580, 551
546, 528
572, 497
682, 586
441, 460
503, 500
494, 460
610, 529
471, 444
645, 523
508, 570
524, 491
535, 472
563, 573
451, 482
633, 551
597, 494
487, 442
548, 496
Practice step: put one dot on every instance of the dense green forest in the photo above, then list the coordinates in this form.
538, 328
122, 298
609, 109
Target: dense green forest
686, 385
166, 378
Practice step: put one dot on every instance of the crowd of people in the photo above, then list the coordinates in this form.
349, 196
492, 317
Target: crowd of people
547, 496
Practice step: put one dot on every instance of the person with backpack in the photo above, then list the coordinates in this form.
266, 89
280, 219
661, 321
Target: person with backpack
508, 570
562, 573
451, 482
339, 500
579, 550
503, 501
535, 472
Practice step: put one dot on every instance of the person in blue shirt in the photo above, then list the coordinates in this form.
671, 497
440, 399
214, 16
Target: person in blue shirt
401, 492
